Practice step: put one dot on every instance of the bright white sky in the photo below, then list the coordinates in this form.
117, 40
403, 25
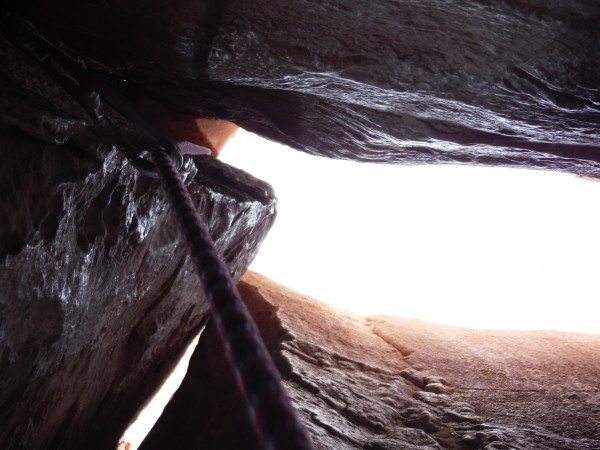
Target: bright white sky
467, 246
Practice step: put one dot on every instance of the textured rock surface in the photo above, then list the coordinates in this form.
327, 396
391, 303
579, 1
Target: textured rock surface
430, 81
83, 238
545, 382
388, 383
97, 298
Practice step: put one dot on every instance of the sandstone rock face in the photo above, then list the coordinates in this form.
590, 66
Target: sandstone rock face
387, 383
98, 299
544, 385
511, 83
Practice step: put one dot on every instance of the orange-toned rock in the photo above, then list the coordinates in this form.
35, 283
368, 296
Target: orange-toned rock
217, 132
386, 383
210, 133
543, 380
204, 131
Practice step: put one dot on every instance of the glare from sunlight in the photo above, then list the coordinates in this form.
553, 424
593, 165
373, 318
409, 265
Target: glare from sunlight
147, 417
467, 246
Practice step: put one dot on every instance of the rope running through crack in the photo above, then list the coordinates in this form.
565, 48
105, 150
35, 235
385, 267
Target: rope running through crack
275, 420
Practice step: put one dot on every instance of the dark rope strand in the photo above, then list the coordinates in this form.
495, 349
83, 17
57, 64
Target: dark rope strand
275, 421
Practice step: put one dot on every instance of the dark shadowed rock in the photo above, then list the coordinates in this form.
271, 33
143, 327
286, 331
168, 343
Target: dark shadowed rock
511, 83
388, 383
98, 299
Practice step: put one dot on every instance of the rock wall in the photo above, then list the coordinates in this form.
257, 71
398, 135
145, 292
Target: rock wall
510, 83
96, 290
98, 299
388, 383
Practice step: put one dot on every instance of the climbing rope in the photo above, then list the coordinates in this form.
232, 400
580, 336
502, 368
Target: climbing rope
275, 421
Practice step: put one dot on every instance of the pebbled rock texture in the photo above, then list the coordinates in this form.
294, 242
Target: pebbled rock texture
512, 83
387, 383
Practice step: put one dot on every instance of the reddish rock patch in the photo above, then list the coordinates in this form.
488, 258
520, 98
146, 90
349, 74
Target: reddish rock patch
386, 383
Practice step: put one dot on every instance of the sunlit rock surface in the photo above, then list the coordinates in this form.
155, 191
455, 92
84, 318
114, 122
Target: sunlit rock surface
386, 383
98, 298
430, 81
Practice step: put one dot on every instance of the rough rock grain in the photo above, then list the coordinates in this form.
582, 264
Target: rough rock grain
97, 299
428, 81
388, 383
512, 83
